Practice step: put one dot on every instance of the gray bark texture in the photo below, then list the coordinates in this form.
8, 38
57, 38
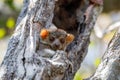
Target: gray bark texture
109, 69
23, 60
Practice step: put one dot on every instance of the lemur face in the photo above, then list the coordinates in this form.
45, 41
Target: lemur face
58, 39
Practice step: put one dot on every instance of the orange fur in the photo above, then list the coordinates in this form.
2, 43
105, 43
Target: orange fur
44, 33
69, 38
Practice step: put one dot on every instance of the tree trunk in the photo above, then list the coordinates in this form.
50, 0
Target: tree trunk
109, 69
23, 60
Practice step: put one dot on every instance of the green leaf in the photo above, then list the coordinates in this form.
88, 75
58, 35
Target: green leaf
2, 32
10, 23
78, 76
97, 62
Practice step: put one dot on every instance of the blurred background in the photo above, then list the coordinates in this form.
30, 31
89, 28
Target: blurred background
105, 27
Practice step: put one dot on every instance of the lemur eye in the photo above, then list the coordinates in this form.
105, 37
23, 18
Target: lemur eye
62, 40
51, 38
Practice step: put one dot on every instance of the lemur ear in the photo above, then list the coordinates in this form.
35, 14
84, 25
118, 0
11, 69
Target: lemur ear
44, 33
69, 38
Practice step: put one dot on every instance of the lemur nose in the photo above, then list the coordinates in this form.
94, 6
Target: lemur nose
57, 45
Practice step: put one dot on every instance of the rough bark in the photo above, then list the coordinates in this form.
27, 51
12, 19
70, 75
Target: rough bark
23, 60
109, 69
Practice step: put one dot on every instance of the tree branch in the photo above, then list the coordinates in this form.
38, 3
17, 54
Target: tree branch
109, 69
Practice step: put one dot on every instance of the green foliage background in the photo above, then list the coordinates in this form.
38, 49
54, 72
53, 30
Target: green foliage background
8, 16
